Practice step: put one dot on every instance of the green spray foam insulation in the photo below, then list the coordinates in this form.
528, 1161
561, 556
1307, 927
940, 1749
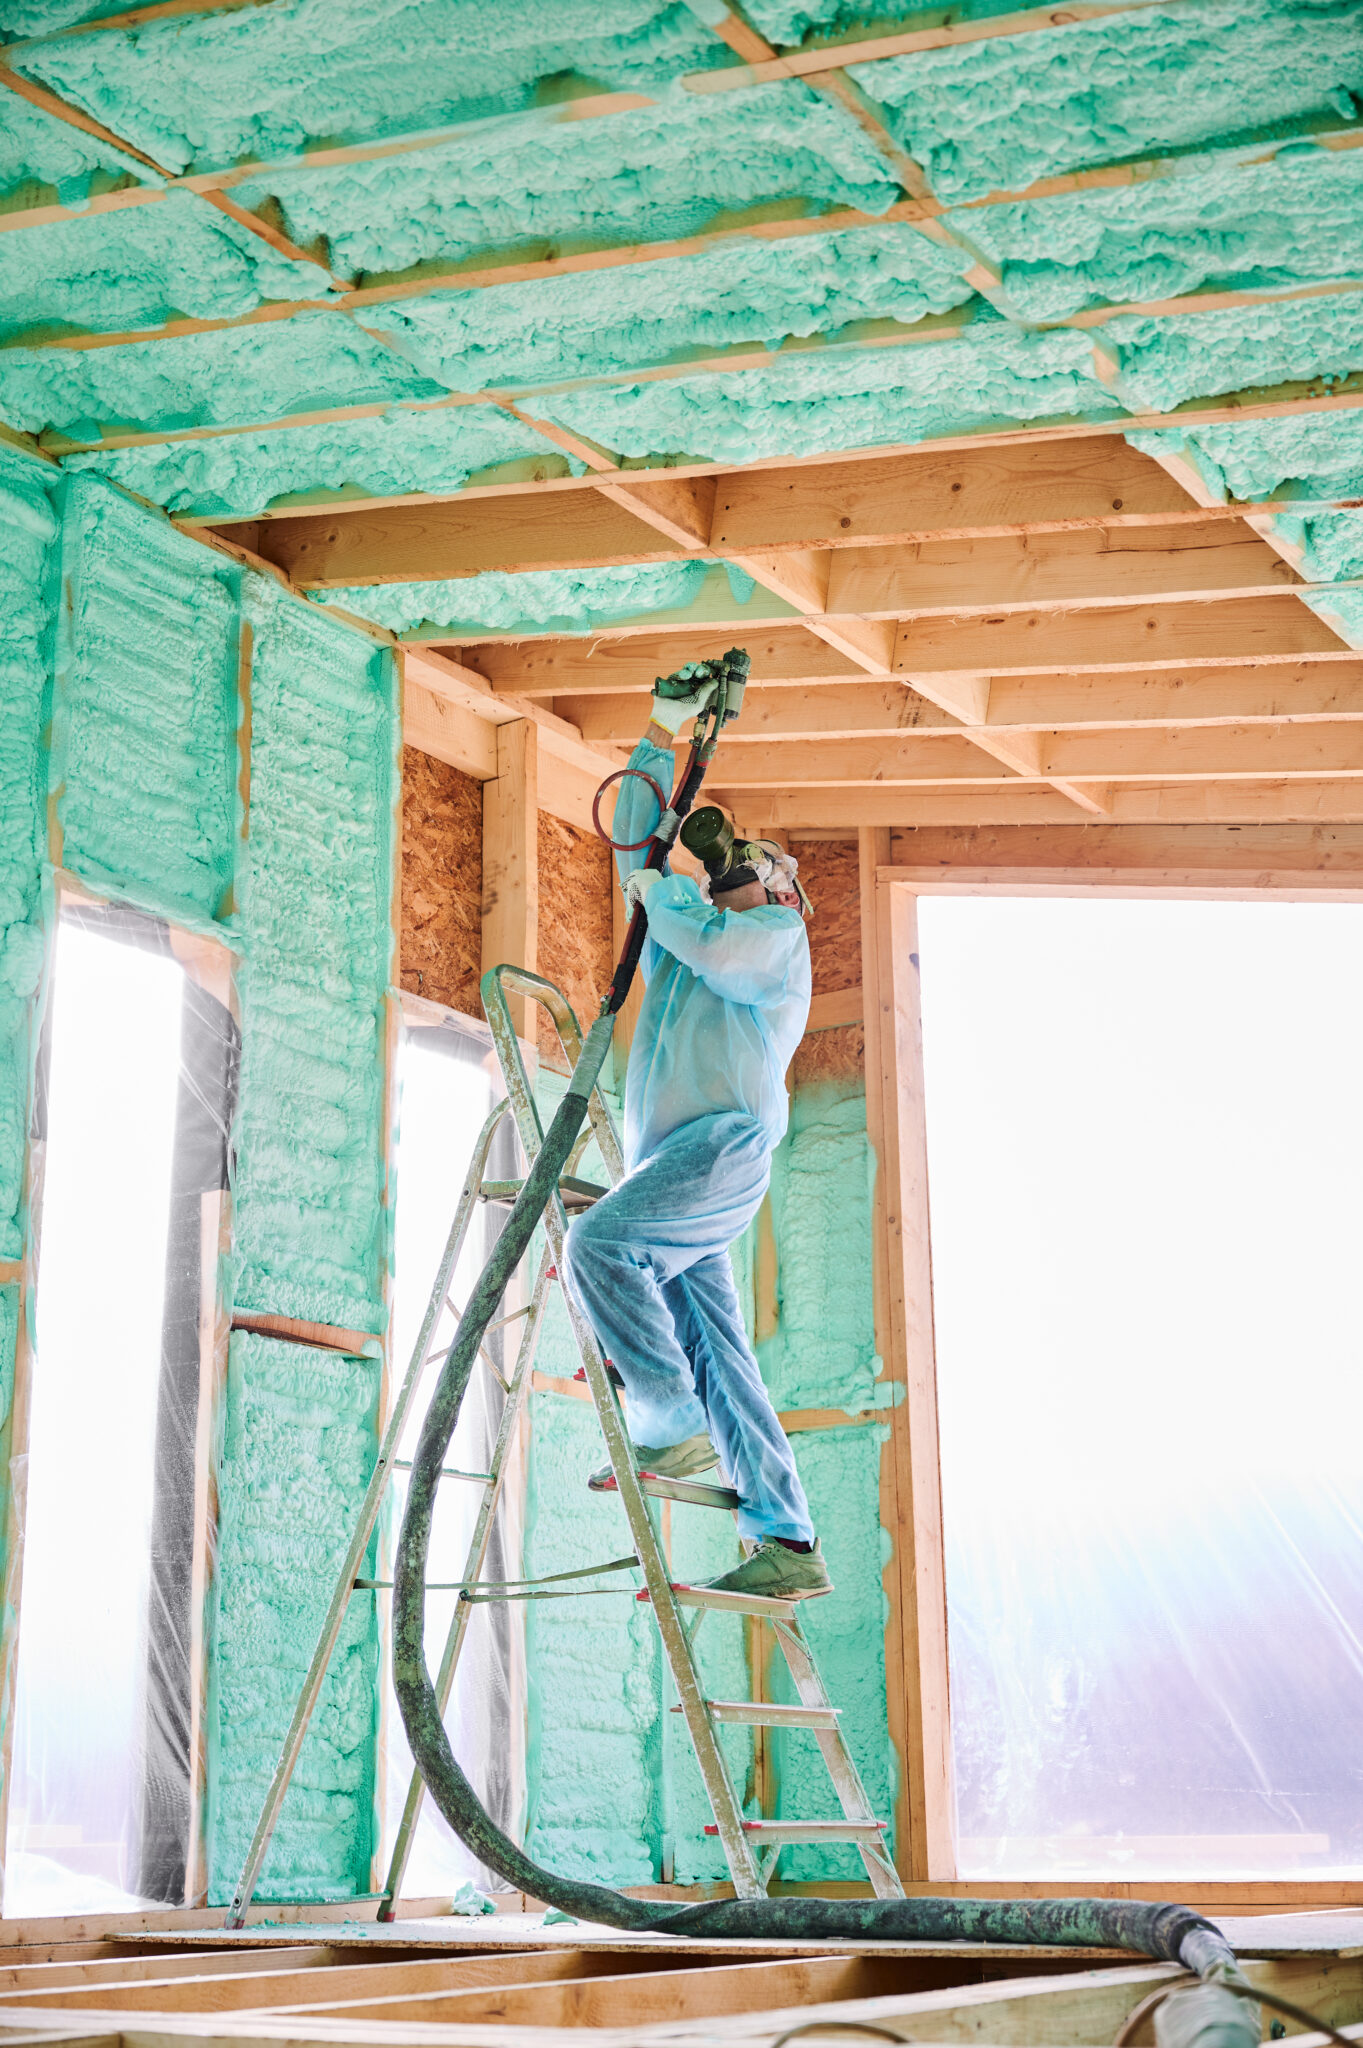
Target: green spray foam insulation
654, 173
1308, 455
997, 116
312, 1231
28, 594
39, 17
387, 456
821, 402
593, 1665
1313, 455
42, 159
1200, 355
823, 1354
1241, 227
1341, 610
299, 1442
756, 291
144, 723
264, 83
540, 601
787, 23
168, 259
236, 376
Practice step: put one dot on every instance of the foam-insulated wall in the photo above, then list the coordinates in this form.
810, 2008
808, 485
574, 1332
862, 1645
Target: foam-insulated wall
143, 762
822, 1353
595, 1680
311, 1222
28, 535
298, 1448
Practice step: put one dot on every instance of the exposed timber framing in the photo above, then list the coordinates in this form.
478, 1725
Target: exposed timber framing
511, 886
911, 1504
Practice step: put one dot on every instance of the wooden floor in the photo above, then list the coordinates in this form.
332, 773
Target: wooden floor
510, 1980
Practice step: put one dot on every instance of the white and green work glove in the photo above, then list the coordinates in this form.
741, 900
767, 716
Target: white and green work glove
637, 885
673, 712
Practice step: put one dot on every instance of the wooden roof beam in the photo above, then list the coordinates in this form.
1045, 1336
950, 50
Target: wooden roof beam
1272, 801
1318, 751
1278, 695
1115, 638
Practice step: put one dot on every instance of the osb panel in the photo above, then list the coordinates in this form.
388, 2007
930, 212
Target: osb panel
828, 869
574, 923
442, 882
838, 1055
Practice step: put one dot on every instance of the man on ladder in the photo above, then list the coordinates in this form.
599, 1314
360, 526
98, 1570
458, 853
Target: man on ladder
726, 1003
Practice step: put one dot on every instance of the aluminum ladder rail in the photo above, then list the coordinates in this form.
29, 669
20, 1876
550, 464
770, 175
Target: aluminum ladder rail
740, 1838
751, 1847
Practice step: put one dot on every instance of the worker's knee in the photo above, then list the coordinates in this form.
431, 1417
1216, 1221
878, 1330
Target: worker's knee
580, 1248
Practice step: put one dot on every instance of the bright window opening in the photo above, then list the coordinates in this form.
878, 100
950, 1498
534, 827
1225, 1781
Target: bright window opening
1145, 1132
101, 1809
446, 1093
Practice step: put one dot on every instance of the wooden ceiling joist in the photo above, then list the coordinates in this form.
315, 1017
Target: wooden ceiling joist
1314, 752
1193, 698
1271, 801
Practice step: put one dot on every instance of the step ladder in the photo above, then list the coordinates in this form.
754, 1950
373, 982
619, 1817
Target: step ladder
752, 1848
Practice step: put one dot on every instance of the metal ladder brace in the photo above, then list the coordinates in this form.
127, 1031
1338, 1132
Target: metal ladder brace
751, 1847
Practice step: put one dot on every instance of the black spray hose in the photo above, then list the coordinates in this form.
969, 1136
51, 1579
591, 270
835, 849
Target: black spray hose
1169, 1933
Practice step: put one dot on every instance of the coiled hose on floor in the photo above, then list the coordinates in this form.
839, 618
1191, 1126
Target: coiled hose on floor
1169, 1933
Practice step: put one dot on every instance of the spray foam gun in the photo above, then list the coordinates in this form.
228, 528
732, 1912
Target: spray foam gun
729, 674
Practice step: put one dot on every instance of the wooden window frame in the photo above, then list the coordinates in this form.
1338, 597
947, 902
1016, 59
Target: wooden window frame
917, 1670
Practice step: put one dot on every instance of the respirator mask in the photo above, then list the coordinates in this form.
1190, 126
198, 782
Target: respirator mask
731, 863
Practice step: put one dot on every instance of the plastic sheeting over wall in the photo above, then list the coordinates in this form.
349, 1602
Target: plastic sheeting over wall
1144, 1131
103, 1803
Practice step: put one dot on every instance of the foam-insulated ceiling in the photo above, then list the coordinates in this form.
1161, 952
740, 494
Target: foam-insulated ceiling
601, 216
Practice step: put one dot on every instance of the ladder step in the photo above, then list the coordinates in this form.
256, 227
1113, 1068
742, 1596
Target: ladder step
764, 1714
693, 1491
812, 1830
576, 1194
730, 1603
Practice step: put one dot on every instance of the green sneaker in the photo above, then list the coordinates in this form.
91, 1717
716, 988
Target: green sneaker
777, 1573
676, 1461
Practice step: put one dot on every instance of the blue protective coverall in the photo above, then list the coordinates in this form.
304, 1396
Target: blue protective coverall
725, 1006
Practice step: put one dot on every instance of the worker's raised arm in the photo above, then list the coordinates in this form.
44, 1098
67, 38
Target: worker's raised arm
637, 810
757, 956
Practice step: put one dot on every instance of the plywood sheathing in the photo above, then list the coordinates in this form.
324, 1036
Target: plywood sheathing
828, 869
575, 947
442, 882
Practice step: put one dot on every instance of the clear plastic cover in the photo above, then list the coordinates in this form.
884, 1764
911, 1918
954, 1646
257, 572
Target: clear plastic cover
130, 1155
1145, 1124
449, 1081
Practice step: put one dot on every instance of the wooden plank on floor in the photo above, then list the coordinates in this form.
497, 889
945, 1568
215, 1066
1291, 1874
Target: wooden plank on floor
647, 1997
214, 1990
45, 1976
